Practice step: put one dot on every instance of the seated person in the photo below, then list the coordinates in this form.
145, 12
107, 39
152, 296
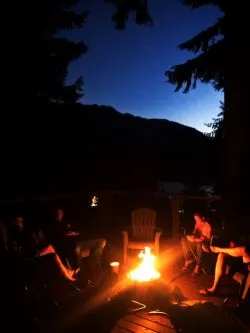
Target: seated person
3, 238
25, 244
193, 243
21, 240
70, 247
242, 252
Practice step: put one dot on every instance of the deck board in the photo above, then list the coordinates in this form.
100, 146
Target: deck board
159, 319
143, 322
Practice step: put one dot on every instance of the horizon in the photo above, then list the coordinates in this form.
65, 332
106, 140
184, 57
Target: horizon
130, 77
139, 116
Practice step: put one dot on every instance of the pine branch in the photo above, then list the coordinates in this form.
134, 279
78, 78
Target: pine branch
124, 8
204, 39
222, 4
69, 20
66, 49
207, 68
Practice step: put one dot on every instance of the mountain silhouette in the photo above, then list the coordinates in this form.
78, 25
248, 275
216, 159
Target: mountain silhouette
61, 148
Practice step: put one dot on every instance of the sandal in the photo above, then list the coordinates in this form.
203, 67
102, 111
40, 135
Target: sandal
207, 293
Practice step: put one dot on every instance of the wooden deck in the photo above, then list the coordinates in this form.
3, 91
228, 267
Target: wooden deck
174, 293
143, 322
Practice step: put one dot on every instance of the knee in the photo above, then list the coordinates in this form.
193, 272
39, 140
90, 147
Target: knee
77, 250
102, 242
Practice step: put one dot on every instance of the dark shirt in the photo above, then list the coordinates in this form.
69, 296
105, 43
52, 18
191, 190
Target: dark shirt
57, 232
57, 237
22, 242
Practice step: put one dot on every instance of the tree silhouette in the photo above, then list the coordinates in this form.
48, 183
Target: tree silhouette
45, 55
125, 8
217, 124
223, 61
207, 66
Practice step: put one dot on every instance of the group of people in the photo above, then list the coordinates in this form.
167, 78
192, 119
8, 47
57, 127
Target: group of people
19, 242
199, 241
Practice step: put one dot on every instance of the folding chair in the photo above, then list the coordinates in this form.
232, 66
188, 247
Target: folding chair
206, 272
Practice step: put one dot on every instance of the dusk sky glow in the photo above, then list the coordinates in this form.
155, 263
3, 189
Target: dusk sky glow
125, 69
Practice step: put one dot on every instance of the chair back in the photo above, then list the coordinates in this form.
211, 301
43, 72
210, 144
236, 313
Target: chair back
143, 223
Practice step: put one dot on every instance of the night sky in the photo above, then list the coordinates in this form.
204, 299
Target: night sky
125, 69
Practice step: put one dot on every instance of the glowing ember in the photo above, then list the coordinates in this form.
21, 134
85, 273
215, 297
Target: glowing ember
145, 271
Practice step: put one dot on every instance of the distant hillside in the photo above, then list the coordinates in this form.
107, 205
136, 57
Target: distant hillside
62, 147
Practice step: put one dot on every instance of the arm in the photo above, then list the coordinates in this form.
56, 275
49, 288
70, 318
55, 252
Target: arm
71, 231
207, 232
195, 229
198, 240
194, 239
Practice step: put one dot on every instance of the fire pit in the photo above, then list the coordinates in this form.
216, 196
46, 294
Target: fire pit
143, 277
146, 271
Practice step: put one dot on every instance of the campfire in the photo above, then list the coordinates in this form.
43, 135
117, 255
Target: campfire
146, 270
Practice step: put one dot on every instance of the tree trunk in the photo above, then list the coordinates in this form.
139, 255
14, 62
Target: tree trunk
237, 108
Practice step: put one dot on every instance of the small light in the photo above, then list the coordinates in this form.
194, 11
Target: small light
94, 201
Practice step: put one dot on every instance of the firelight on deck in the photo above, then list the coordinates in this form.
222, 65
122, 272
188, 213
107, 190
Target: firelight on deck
146, 270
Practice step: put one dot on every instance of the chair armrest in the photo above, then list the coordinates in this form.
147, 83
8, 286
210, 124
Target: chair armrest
125, 235
158, 234
158, 231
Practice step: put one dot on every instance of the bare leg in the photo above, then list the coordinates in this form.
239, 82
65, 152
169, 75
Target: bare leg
66, 272
233, 252
217, 274
185, 244
218, 271
239, 251
199, 258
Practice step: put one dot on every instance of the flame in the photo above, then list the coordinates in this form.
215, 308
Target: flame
146, 270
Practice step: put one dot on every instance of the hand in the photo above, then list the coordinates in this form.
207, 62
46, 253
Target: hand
204, 248
72, 233
190, 238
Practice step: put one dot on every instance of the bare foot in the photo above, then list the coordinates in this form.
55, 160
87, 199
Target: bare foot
204, 248
207, 292
70, 275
